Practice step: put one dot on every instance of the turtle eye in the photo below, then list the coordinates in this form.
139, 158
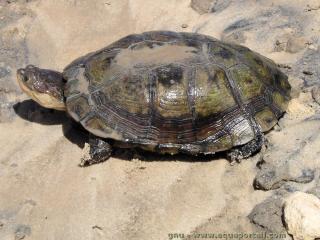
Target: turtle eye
30, 66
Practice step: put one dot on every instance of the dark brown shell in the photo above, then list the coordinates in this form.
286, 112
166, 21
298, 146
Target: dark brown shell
175, 92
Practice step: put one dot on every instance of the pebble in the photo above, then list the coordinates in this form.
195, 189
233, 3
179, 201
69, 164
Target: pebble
283, 65
315, 92
184, 25
3, 72
306, 72
302, 216
295, 44
202, 6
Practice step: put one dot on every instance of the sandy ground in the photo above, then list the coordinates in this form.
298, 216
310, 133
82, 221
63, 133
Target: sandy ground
44, 194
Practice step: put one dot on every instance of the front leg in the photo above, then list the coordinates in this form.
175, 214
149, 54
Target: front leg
100, 151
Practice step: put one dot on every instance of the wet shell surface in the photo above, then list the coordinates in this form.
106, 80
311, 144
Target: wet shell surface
176, 92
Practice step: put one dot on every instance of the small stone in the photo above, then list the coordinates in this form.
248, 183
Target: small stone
295, 44
311, 8
3, 72
202, 6
268, 214
184, 25
307, 72
315, 191
312, 47
283, 65
209, 6
315, 92
236, 37
96, 227
279, 46
22, 231
302, 216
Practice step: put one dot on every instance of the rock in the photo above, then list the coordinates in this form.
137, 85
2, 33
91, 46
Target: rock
3, 72
292, 153
234, 37
202, 6
284, 65
310, 8
235, 32
22, 231
315, 191
302, 216
208, 6
184, 25
289, 43
279, 46
274, 176
306, 72
308, 60
220, 5
295, 44
316, 94
268, 214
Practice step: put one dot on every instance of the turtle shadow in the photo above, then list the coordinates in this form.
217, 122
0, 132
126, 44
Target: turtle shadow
75, 133
31, 111
128, 154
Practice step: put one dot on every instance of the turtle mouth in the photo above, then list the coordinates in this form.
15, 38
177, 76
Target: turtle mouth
23, 80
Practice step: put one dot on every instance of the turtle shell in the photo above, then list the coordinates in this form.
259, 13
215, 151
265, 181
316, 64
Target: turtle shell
176, 92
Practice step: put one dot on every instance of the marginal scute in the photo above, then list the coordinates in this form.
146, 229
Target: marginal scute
222, 143
240, 130
162, 36
125, 42
282, 83
280, 101
266, 119
96, 125
145, 44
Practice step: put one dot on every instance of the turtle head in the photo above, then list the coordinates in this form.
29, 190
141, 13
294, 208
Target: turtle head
43, 86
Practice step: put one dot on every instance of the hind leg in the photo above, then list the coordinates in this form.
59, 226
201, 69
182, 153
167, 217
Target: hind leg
246, 150
100, 151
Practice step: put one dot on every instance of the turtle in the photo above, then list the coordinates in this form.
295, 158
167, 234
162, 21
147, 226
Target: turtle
167, 92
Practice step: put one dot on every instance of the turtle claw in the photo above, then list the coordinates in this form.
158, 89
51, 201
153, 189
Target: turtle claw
235, 156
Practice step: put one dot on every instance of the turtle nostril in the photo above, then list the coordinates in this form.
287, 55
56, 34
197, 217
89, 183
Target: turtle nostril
21, 71
22, 74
